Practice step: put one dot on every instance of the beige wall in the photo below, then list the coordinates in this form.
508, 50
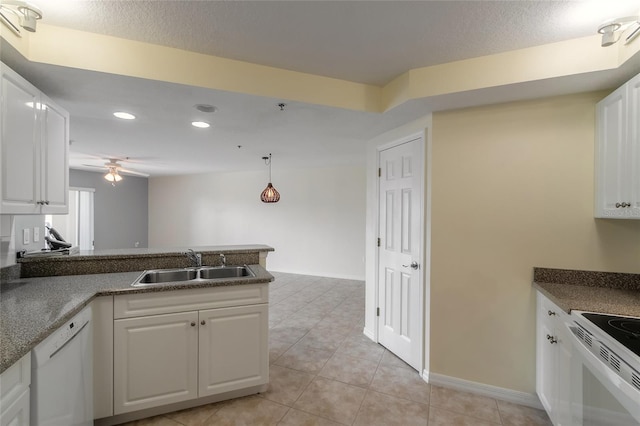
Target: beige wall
512, 189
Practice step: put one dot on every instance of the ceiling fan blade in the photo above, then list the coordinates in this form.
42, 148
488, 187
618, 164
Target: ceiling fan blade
132, 172
92, 165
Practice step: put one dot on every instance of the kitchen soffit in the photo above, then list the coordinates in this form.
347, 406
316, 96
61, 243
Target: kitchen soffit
315, 37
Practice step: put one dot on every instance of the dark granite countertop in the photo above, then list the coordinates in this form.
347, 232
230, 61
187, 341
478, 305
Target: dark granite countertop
32, 308
604, 292
147, 252
136, 259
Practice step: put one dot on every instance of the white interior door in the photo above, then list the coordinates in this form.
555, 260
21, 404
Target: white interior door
400, 294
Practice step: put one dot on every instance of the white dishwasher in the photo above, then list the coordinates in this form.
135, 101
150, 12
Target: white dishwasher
62, 375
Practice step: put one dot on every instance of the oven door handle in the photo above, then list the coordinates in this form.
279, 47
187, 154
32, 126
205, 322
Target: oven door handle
627, 395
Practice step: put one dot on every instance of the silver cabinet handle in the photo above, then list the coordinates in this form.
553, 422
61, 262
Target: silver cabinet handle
193, 323
551, 339
551, 313
623, 205
203, 322
414, 265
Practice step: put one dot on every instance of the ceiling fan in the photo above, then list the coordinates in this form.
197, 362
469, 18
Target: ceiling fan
114, 168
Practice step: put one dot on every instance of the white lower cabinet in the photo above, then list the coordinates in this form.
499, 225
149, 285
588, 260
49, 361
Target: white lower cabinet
179, 356
155, 361
233, 348
553, 361
15, 382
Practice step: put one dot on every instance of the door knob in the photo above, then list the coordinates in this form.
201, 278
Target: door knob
414, 265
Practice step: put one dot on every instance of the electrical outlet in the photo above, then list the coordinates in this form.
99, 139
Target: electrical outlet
36, 234
26, 236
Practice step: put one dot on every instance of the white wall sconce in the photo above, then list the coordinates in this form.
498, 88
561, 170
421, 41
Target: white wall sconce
613, 29
26, 13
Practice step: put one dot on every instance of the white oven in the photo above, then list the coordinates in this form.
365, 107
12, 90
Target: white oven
605, 388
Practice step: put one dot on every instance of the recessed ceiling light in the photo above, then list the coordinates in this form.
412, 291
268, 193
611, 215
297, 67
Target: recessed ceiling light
124, 115
200, 124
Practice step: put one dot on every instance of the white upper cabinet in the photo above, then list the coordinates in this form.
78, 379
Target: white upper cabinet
54, 158
618, 153
34, 175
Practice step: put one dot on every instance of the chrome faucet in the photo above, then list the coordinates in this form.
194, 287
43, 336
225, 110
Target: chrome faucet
194, 258
223, 260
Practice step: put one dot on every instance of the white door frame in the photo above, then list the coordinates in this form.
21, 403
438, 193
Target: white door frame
424, 259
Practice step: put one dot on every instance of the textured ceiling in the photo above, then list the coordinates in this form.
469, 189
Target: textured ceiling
363, 41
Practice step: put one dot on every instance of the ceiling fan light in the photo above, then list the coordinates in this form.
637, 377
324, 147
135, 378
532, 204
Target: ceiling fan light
113, 176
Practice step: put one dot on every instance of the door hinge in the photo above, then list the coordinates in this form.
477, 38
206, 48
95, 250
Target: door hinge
377, 312
379, 171
378, 241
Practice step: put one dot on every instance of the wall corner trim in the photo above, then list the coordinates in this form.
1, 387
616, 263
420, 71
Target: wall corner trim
503, 394
369, 334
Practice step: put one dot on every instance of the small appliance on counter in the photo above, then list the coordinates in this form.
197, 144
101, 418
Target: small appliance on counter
55, 241
56, 246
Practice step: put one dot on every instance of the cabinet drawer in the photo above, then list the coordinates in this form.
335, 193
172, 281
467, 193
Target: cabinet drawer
143, 304
14, 381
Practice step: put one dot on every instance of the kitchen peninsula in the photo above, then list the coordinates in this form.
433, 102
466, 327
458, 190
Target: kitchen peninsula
210, 314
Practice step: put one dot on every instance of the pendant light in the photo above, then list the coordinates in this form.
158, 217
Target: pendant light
269, 195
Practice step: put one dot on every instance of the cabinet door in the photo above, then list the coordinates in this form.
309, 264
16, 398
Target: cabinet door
234, 351
20, 144
545, 362
102, 322
54, 158
17, 414
155, 361
633, 91
564, 359
610, 155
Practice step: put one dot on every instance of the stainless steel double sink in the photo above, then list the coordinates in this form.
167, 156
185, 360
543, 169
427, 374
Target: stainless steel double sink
156, 277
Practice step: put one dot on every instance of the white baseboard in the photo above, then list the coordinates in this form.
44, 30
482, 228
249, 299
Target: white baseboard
503, 394
425, 375
319, 274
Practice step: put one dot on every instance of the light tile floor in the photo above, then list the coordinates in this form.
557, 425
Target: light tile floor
324, 371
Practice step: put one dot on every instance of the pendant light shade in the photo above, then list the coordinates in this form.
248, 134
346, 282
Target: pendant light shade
270, 194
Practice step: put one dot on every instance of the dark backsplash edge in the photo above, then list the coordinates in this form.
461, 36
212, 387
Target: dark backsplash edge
9, 273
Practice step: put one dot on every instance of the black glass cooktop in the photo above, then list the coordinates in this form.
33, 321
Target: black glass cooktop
623, 329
